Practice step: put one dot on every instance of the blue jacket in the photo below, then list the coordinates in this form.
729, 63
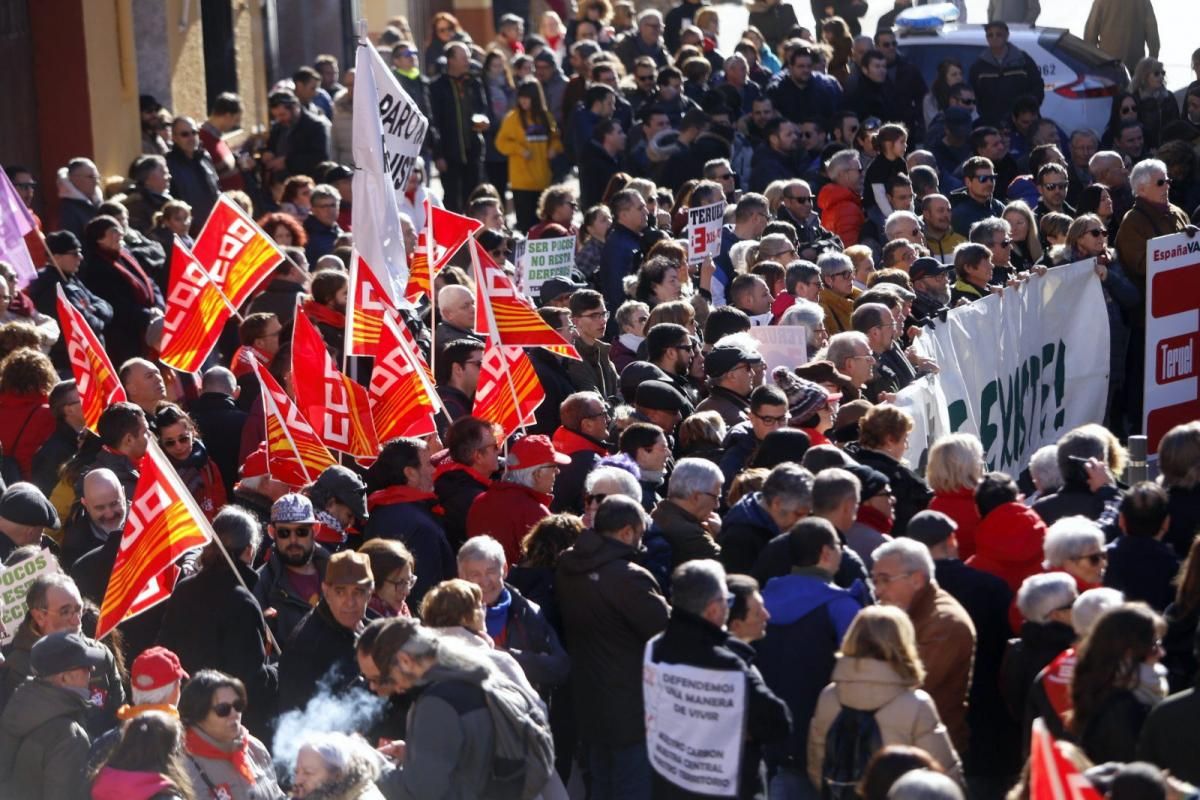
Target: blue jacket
1143, 568
738, 445
809, 617
414, 525
744, 533
621, 256
820, 98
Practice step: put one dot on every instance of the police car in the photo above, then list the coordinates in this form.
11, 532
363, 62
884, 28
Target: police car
1081, 80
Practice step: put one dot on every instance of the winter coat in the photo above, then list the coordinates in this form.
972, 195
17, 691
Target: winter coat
50, 457
585, 452
695, 642
1183, 503
308, 143
1124, 29
416, 526
237, 645
43, 743
121, 784
514, 138
768, 165
220, 422
531, 639
733, 408
506, 512
1074, 498
841, 211
809, 618
214, 774
1112, 732
43, 290
774, 21
457, 487
1155, 113
1008, 544
194, 181
1142, 223
453, 102
1170, 738
998, 81
838, 309
621, 256
26, 422
737, 448
684, 533
322, 238
552, 375
274, 590
911, 491
966, 211
820, 98
595, 373
960, 506
946, 644
1025, 657
125, 334
610, 608
1019, 11
320, 651
745, 531
1143, 568
905, 713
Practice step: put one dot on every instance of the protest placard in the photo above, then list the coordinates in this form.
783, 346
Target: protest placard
1172, 333
704, 231
542, 260
14, 586
781, 345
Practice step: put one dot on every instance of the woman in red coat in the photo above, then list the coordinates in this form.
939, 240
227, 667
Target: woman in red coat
1008, 541
178, 439
955, 467
513, 505
841, 199
26, 421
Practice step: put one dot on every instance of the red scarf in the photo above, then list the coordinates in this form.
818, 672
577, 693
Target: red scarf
450, 465
21, 305
239, 758
873, 517
393, 495
571, 442
240, 363
134, 276
319, 313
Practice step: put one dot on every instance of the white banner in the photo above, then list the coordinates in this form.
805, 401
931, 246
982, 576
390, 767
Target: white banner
1018, 369
695, 724
704, 231
1172, 332
14, 586
781, 345
542, 260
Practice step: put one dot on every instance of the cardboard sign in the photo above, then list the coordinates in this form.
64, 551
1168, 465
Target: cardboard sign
704, 231
781, 345
542, 260
14, 586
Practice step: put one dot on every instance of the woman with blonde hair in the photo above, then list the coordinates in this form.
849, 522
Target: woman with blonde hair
1026, 243
1156, 106
954, 469
879, 672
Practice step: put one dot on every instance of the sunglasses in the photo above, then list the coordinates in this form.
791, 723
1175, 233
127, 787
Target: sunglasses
184, 438
1055, 187
300, 532
1098, 232
1005, 243
594, 498
985, 178
1095, 559
802, 198
1161, 182
1160, 73
185, 134
223, 710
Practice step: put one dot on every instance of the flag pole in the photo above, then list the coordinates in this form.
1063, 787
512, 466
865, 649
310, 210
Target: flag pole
229, 560
53, 260
495, 331
221, 291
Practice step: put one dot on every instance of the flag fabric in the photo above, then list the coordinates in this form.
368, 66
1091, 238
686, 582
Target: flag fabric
15, 222
366, 305
236, 253
95, 377
1051, 775
448, 231
420, 276
403, 398
164, 522
196, 313
339, 405
295, 454
500, 308
508, 390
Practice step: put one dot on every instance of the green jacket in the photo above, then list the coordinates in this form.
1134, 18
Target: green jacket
43, 744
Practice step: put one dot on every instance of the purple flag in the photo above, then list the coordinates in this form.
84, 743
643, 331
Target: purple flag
15, 222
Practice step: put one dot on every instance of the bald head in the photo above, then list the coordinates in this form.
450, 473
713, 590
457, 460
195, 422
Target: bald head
104, 500
143, 383
219, 380
457, 305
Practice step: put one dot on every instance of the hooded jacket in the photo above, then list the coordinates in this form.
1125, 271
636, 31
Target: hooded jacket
75, 210
610, 607
841, 212
506, 511
809, 618
123, 784
745, 531
43, 743
838, 309
904, 713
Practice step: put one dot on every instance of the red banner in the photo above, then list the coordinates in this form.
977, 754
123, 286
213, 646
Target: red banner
365, 307
164, 522
196, 313
517, 322
295, 454
403, 399
339, 405
1051, 775
235, 251
95, 377
448, 232
509, 390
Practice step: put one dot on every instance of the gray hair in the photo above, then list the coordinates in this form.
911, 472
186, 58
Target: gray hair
482, 548
789, 483
896, 218
845, 345
1081, 132
832, 487
237, 529
1101, 161
629, 484
841, 161
924, 784
982, 232
831, 263
735, 58
913, 555
806, 313
647, 13
1071, 537
1042, 595
150, 697
692, 475
1043, 467
521, 477
1143, 172
697, 583
218, 379
1088, 607
450, 291
326, 191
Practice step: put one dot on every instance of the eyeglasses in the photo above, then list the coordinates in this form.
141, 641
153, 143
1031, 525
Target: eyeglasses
378, 683
883, 579
689, 347
716, 497
985, 178
847, 274
1005, 243
223, 710
1095, 559
1058, 186
601, 413
406, 583
473, 362
184, 438
1161, 182
26, 185
805, 199
595, 315
594, 498
185, 134
300, 532
771, 419
1160, 73
1098, 232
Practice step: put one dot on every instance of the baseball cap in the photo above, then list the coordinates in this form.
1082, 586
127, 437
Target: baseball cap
291, 508
930, 527
155, 668
927, 266
534, 451
555, 288
659, 396
348, 568
24, 504
723, 358
64, 651
345, 486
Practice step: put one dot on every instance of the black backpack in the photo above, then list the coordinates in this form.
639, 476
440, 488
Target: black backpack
851, 741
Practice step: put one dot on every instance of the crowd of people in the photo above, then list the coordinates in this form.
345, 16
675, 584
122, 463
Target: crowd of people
470, 615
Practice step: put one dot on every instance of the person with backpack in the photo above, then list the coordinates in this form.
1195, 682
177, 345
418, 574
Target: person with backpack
875, 700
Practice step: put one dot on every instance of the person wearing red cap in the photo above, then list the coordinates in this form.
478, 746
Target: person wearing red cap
156, 679
514, 504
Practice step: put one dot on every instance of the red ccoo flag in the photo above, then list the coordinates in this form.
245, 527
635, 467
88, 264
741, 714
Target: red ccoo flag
509, 391
339, 405
516, 322
95, 377
368, 302
196, 314
403, 399
1051, 775
448, 231
295, 454
164, 522
235, 251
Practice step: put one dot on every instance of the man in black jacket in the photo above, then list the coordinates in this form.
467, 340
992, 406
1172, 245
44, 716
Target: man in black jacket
64, 442
1003, 73
696, 638
193, 176
474, 456
220, 421
459, 107
64, 271
290, 581
298, 141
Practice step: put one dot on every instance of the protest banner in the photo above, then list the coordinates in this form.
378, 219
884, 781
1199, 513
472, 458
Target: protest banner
704, 231
781, 345
542, 260
695, 724
1018, 369
1172, 395
14, 586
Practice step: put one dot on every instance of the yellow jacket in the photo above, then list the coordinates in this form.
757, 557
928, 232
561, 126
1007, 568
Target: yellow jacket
514, 138
838, 309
